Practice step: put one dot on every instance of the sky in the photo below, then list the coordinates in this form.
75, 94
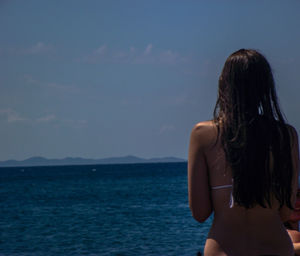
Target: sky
110, 78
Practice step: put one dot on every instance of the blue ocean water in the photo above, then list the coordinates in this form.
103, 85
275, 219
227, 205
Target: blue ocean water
130, 209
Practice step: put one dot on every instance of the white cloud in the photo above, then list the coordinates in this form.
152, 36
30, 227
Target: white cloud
69, 88
132, 49
95, 56
166, 128
47, 118
58, 122
39, 47
11, 115
119, 56
79, 123
181, 99
169, 57
82, 121
29, 79
133, 56
35, 49
101, 50
60, 86
131, 101
148, 49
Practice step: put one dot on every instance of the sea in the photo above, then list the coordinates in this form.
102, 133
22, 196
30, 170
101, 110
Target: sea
117, 209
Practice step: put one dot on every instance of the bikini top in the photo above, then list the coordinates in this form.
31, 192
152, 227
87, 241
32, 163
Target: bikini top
231, 203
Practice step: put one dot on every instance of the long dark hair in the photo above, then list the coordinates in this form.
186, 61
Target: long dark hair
253, 132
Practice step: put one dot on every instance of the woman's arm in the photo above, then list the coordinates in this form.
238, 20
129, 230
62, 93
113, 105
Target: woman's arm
297, 248
198, 184
295, 237
285, 212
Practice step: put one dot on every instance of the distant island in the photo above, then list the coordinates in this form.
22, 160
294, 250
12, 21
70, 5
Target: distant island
42, 161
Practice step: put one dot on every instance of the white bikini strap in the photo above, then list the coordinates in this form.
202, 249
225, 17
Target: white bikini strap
222, 186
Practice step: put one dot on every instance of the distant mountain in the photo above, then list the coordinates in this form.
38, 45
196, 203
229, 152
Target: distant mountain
42, 161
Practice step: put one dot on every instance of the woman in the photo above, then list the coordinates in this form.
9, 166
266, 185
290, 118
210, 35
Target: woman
243, 165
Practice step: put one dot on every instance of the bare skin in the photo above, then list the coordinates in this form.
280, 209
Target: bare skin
235, 231
295, 237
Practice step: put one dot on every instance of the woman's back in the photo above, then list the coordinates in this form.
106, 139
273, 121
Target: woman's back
235, 230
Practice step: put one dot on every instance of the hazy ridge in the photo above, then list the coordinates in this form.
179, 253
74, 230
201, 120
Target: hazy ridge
42, 161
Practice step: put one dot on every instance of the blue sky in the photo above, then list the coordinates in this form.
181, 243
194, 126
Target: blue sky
112, 78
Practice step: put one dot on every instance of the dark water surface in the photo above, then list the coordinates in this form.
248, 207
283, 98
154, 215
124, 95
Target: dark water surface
132, 209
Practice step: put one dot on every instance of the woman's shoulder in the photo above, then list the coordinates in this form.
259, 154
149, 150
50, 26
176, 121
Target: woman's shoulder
292, 130
205, 126
293, 135
204, 134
